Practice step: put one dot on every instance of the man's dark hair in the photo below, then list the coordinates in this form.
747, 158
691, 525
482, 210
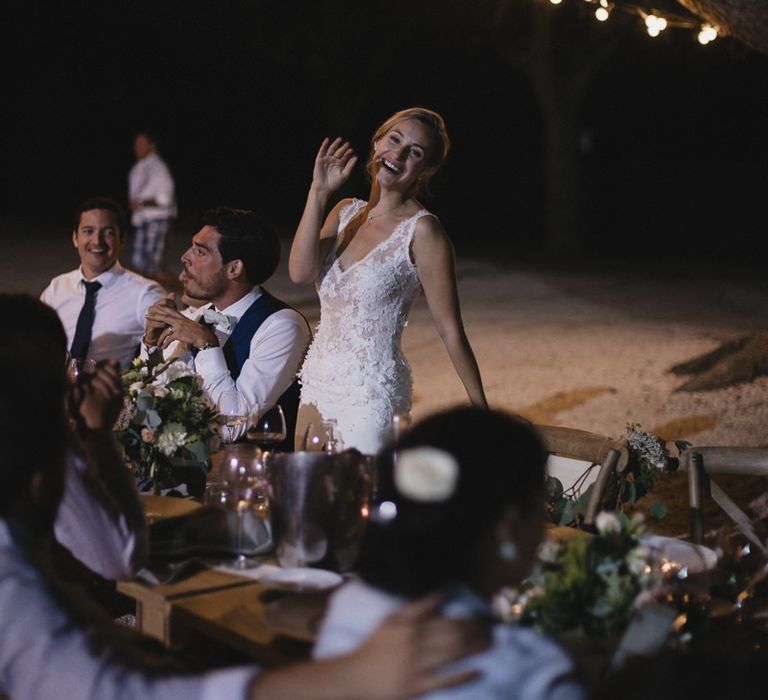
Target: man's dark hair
245, 237
149, 134
101, 203
32, 355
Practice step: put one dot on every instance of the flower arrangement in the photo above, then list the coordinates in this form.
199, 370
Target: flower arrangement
588, 585
166, 420
648, 458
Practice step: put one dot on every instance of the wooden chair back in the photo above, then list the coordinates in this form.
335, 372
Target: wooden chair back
610, 454
701, 462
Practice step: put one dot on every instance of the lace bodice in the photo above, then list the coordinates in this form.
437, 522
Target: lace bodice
356, 357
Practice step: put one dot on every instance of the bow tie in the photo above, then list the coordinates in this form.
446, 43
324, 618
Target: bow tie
221, 321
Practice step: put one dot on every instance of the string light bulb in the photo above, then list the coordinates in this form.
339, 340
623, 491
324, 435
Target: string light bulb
655, 24
602, 13
708, 33
555, 2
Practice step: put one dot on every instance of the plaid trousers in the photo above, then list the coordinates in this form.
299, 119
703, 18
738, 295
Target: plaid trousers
148, 245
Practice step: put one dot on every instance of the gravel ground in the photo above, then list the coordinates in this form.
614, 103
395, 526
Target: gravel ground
585, 347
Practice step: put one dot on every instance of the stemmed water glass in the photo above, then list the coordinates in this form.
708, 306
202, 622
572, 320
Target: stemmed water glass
266, 427
321, 437
242, 473
233, 412
77, 367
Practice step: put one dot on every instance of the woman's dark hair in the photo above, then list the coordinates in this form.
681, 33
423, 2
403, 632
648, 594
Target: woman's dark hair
33, 425
428, 545
245, 237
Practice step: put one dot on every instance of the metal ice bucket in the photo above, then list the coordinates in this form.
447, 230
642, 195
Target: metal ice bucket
319, 504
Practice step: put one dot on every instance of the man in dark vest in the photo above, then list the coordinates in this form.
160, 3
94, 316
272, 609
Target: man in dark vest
240, 337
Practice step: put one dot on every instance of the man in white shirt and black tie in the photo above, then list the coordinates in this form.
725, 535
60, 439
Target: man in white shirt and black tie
101, 304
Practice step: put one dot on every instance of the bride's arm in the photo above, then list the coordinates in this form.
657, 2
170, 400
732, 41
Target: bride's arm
434, 258
313, 238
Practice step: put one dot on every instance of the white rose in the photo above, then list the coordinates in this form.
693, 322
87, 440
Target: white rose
426, 474
173, 436
607, 523
175, 370
548, 551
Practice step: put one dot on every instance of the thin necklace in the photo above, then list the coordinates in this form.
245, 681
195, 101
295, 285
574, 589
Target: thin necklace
371, 217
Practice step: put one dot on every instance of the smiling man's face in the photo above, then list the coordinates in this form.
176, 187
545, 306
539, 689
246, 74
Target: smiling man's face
97, 240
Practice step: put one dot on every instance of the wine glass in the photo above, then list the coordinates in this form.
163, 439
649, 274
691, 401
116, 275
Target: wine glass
233, 412
399, 424
266, 427
321, 437
242, 473
77, 367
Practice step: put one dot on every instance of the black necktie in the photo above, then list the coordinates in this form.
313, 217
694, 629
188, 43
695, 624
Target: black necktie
84, 326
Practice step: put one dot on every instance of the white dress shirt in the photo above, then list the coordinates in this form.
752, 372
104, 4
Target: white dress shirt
101, 519
149, 178
520, 664
45, 656
121, 307
277, 350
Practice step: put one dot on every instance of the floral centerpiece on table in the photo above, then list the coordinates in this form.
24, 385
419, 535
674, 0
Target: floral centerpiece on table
588, 585
166, 420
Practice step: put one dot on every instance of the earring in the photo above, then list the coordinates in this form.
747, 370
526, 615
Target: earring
507, 550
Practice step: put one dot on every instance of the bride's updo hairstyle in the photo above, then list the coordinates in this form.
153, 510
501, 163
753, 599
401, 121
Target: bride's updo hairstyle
443, 488
436, 153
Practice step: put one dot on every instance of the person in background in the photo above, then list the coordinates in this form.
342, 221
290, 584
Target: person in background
56, 645
368, 261
152, 197
101, 304
465, 521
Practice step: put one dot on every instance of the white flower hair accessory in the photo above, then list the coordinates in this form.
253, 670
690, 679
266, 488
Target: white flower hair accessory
426, 474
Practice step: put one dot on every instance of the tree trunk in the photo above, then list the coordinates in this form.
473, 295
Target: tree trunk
745, 20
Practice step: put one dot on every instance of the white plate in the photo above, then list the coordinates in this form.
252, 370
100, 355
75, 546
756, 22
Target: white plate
302, 579
695, 557
289, 579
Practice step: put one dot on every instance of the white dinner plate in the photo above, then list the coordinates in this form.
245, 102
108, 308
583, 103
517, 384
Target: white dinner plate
288, 579
302, 578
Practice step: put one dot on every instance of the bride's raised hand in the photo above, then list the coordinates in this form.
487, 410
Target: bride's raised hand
333, 164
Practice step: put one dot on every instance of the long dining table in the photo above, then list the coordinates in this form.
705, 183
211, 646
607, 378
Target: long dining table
273, 623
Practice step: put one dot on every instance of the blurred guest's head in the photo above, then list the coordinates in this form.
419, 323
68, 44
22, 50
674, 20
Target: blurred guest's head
460, 500
144, 143
97, 234
33, 425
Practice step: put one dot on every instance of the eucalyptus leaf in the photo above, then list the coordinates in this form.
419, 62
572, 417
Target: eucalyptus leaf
658, 510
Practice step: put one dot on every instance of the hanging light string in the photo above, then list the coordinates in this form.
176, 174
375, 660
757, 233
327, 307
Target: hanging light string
655, 21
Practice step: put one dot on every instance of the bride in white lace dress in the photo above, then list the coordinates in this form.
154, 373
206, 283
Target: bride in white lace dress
368, 261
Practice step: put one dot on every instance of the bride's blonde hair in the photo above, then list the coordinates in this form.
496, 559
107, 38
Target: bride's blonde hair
436, 153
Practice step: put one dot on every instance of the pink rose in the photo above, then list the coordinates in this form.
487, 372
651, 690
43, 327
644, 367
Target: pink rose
147, 435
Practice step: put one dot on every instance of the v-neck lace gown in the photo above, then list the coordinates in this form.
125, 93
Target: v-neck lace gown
355, 371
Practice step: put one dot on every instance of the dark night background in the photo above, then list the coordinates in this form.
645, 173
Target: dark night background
241, 93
